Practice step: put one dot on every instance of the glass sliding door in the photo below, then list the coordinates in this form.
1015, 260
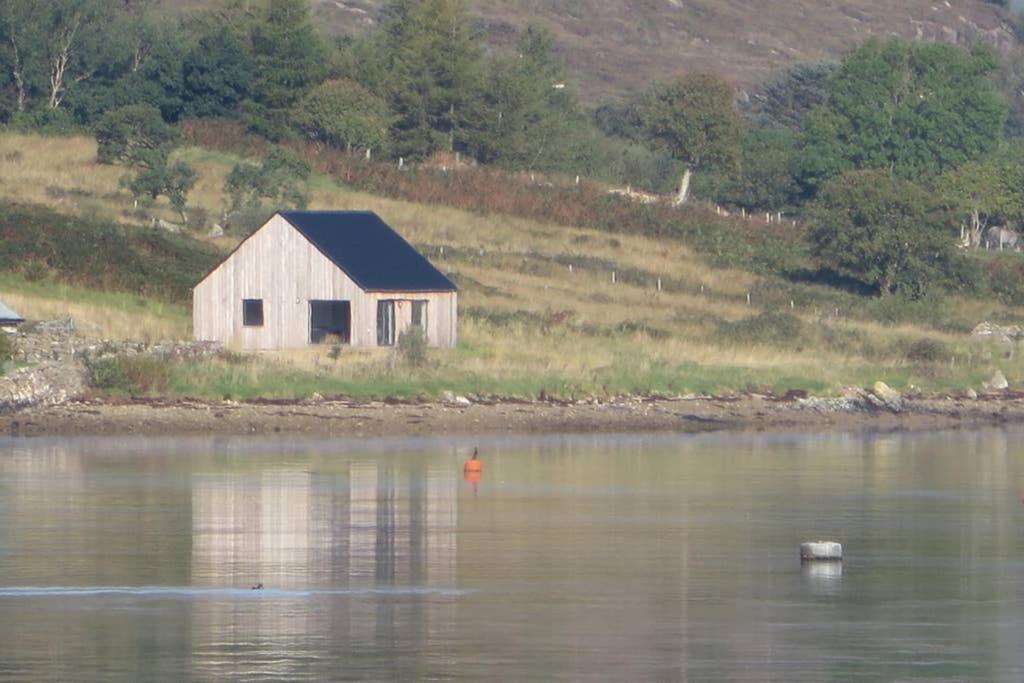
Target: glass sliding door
386, 322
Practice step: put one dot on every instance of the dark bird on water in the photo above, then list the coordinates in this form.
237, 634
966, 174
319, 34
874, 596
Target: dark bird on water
258, 586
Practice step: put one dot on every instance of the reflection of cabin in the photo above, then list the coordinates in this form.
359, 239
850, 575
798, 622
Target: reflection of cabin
8, 318
309, 277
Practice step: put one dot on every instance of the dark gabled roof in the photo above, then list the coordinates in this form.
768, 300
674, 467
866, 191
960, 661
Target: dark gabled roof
369, 251
8, 315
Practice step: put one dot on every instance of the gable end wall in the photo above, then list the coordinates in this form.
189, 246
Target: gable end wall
280, 266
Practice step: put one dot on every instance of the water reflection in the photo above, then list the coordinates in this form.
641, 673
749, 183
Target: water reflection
630, 558
823, 578
366, 525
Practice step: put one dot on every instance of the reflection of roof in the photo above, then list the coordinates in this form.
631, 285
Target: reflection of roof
7, 315
369, 251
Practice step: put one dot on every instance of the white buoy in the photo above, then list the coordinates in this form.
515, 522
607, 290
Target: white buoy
821, 551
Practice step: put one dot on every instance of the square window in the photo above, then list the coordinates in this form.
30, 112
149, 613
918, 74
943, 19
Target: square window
252, 312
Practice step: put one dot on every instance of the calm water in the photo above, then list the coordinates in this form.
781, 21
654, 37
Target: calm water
608, 558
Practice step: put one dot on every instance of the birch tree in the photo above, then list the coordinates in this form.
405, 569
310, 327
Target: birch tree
19, 23
695, 120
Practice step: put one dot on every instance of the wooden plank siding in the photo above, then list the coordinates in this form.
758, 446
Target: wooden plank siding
280, 266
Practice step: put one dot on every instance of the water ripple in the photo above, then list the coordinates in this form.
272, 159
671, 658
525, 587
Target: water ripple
222, 592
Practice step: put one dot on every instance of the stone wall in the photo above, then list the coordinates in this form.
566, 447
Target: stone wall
48, 383
56, 340
55, 373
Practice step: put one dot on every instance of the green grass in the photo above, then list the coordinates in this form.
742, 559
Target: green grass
216, 380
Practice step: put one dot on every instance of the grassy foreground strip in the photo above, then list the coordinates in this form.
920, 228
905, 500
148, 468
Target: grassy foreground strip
528, 363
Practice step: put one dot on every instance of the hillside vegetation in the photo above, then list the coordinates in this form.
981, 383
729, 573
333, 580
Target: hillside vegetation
844, 209
529, 325
614, 47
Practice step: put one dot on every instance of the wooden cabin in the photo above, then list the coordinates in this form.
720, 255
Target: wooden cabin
323, 277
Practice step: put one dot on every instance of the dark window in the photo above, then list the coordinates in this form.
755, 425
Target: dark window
330, 321
386, 322
252, 312
419, 315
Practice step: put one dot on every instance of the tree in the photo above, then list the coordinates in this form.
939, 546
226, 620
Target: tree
886, 231
914, 108
217, 74
279, 177
144, 68
173, 181
434, 60
694, 118
135, 135
764, 178
529, 114
289, 58
344, 114
787, 99
74, 41
983, 191
19, 26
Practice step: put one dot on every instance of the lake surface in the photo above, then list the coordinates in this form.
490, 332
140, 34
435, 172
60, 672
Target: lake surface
602, 558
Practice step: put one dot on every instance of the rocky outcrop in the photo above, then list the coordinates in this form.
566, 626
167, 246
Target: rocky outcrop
998, 381
49, 383
987, 331
855, 399
887, 397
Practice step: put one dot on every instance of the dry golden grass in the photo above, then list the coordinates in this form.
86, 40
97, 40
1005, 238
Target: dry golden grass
105, 318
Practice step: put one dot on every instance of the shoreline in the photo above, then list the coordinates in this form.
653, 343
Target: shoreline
169, 417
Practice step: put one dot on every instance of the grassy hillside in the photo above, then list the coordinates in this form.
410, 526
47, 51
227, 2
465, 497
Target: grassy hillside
529, 323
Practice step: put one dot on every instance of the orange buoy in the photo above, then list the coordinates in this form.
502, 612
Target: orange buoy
473, 465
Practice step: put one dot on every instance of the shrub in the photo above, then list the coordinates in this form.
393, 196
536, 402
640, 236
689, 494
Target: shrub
764, 328
640, 327
7, 348
132, 375
412, 347
925, 350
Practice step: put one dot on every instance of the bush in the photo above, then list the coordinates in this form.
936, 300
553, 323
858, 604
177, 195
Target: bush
412, 347
640, 327
925, 350
132, 375
764, 328
7, 348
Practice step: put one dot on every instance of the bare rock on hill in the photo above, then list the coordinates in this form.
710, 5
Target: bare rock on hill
998, 381
166, 226
987, 331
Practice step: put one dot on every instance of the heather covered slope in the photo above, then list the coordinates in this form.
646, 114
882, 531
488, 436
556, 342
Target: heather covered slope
616, 46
